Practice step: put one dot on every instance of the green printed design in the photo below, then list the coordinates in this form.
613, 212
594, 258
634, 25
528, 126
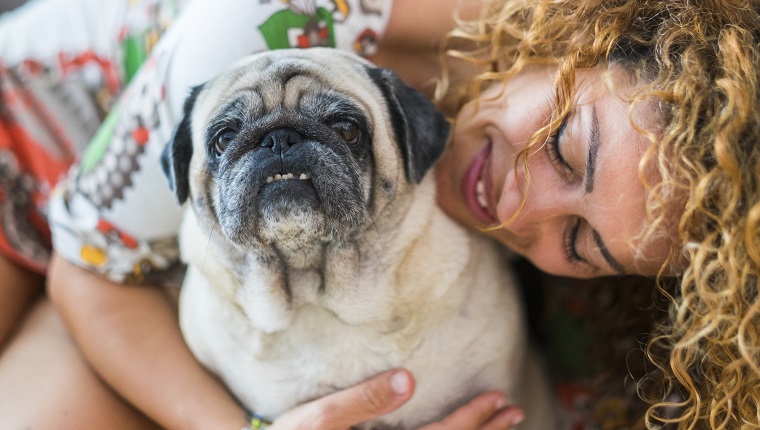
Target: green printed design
275, 29
134, 55
97, 147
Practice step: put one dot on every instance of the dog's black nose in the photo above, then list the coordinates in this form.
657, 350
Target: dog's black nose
281, 139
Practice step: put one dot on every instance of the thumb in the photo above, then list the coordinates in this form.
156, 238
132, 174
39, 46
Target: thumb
370, 399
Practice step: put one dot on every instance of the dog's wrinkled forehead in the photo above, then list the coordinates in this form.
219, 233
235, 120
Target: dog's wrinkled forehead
316, 92
279, 81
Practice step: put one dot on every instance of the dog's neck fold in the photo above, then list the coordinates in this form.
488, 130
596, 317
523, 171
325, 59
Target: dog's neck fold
270, 283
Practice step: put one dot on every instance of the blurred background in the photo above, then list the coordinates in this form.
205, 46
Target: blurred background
6, 5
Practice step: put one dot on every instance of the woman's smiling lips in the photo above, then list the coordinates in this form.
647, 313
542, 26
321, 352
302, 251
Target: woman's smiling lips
476, 187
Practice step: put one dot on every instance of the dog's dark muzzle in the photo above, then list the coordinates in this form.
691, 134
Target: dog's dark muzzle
286, 169
288, 173
278, 167
291, 167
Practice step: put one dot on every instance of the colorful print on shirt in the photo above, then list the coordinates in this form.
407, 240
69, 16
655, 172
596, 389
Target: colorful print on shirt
55, 88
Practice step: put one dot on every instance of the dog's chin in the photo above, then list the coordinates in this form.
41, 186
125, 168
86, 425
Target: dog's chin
285, 213
290, 214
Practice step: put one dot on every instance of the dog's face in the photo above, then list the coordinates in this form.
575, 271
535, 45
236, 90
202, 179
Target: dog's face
300, 146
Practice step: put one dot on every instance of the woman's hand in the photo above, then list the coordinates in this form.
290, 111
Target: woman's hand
387, 392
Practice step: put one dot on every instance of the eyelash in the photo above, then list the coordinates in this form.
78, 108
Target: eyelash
571, 254
552, 149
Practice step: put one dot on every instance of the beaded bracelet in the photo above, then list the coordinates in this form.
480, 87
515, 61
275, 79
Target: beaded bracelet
256, 422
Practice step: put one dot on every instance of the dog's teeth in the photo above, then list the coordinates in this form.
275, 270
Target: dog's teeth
480, 187
284, 176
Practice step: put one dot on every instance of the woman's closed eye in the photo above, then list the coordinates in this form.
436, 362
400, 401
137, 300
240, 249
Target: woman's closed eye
569, 242
554, 153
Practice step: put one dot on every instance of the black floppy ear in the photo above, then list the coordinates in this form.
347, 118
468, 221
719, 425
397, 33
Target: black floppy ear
420, 128
175, 158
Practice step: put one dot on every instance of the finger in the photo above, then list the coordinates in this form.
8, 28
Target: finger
370, 399
476, 413
505, 419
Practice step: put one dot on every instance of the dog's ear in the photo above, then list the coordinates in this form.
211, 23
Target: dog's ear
420, 128
175, 158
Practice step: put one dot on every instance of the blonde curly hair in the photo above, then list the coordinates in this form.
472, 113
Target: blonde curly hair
699, 62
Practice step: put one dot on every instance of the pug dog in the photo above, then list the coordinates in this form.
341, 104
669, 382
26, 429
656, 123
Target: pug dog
317, 256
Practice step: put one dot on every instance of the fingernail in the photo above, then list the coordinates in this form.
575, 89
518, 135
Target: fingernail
500, 403
400, 383
516, 419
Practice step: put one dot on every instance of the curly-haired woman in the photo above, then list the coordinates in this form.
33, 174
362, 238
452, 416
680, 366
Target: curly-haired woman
596, 138
622, 138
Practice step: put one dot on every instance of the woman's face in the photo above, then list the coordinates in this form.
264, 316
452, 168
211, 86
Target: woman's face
585, 202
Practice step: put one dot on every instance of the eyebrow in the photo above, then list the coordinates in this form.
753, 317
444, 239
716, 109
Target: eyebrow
614, 264
593, 149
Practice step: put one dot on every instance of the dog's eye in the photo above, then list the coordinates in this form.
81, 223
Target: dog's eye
348, 131
223, 140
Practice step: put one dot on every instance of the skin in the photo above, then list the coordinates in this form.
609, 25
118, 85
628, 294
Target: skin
46, 384
606, 201
18, 287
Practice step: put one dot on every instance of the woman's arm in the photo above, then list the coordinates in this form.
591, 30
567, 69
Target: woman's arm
419, 25
131, 336
411, 43
18, 286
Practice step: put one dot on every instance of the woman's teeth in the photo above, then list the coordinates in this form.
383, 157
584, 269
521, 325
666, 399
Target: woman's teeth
480, 190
